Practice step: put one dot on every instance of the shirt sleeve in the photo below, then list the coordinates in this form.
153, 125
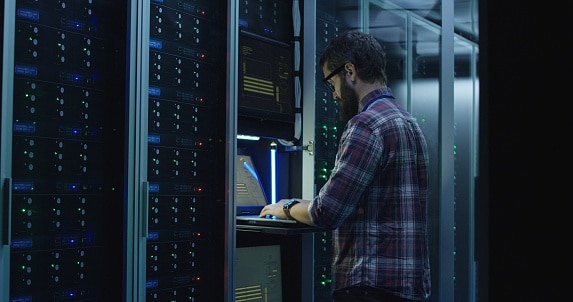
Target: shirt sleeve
356, 162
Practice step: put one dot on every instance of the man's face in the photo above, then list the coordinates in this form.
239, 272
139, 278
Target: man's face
347, 101
344, 94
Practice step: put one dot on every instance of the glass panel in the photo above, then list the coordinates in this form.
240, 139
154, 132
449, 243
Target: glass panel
425, 106
412, 46
389, 26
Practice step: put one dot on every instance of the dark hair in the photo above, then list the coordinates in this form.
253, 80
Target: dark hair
361, 49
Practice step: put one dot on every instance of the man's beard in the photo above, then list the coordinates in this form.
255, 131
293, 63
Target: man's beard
347, 103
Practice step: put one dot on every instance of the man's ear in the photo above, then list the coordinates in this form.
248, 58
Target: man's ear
350, 71
349, 68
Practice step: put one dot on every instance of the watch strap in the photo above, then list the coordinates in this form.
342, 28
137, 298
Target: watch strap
288, 205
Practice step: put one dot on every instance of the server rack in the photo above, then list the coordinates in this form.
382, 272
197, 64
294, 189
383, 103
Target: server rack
186, 150
67, 150
91, 211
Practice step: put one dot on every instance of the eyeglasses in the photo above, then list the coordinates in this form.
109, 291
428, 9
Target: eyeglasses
326, 80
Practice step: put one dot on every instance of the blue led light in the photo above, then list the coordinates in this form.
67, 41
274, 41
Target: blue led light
28, 14
153, 139
273, 175
153, 188
155, 44
154, 91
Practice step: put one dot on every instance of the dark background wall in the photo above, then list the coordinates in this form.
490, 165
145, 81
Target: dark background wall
523, 190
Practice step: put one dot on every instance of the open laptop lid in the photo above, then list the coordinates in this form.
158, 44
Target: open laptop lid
250, 196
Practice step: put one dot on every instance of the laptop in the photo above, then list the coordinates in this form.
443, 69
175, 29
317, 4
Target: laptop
251, 198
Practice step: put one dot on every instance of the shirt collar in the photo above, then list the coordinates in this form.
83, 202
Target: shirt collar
373, 95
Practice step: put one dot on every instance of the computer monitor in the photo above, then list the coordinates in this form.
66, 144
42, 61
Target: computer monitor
266, 105
258, 277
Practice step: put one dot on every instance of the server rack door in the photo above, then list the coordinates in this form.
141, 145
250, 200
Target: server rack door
6, 63
67, 150
186, 150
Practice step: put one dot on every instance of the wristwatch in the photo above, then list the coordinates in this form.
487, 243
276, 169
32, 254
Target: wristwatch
287, 205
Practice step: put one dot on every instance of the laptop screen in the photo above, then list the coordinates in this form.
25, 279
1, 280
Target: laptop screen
250, 196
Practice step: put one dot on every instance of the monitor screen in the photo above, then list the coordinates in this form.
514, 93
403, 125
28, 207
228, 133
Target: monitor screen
258, 274
266, 86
